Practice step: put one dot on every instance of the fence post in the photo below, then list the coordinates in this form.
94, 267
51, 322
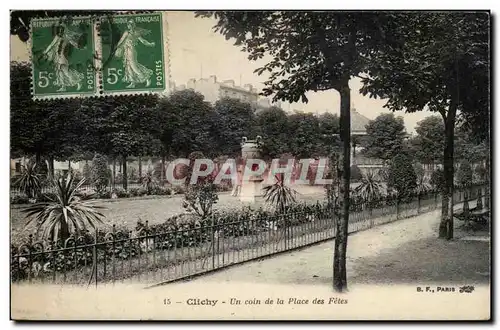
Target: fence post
370, 212
213, 242
397, 208
418, 203
435, 199
95, 257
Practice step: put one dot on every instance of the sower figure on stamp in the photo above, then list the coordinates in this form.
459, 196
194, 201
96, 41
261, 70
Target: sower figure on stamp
126, 49
56, 53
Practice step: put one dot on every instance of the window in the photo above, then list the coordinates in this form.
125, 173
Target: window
18, 167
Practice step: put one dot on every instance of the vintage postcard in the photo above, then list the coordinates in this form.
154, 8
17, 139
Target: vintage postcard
264, 165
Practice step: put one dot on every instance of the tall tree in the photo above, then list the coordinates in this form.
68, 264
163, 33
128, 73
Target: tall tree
125, 126
304, 142
272, 125
384, 137
329, 128
440, 62
192, 126
50, 129
311, 51
234, 119
428, 145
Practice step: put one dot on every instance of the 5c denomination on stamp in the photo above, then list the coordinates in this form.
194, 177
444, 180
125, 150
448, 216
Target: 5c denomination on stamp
63, 57
132, 54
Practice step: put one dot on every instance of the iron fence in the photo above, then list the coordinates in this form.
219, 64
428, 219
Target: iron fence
188, 246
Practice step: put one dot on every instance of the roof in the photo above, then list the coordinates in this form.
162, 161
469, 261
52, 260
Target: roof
358, 122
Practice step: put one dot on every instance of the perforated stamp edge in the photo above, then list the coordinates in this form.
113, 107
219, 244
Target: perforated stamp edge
165, 58
95, 22
32, 64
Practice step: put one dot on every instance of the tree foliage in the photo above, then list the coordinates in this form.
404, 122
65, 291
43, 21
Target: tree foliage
384, 137
311, 51
234, 119
402, 177
100, 173
464, 174
437, 61
306, 135
65, 214
428, 145
272, 125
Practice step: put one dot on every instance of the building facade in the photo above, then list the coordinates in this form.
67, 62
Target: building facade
214, 90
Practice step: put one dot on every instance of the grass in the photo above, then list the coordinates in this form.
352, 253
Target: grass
126, 212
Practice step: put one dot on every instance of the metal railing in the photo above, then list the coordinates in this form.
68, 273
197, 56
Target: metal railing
186, 246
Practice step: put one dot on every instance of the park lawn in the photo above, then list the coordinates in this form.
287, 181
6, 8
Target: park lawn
126, 212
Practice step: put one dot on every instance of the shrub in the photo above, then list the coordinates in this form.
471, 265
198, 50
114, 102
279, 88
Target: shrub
437, 180
370, 187
121, 193
47, 197
402, 175
464, 174
19, 199
160, 191
132, 174
200, 198
149, 181
100, 173
137, 192
178, 189
480, 173
29, 182
87, 172
65, 213
279, 195
77, 175
356, 174
106, 194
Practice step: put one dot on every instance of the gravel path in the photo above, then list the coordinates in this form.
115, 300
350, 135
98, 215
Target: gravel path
405, 251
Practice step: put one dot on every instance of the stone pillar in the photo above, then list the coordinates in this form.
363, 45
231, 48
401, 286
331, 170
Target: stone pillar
251, 189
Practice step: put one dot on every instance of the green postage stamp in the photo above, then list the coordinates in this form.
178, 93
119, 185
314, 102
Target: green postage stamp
98, 56
132, 54
63, 57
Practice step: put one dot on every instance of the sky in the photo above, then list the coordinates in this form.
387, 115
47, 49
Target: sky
196, 51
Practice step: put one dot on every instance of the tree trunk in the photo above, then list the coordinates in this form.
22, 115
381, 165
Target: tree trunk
140, 168
124, 173
339, 257
446, 225
487, 176
114, 172
50, 167
162, 178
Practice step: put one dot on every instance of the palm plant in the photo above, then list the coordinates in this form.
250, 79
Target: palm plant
65, 213
29, 181
370, 187
279, 195
148, 181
